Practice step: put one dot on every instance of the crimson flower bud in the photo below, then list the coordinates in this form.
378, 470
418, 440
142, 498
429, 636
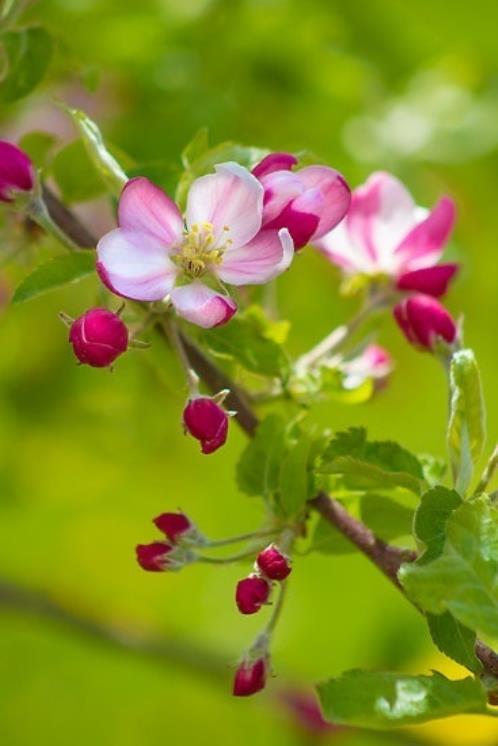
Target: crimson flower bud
17, 173
174, 525
98, 337
273, 564
250, 677
251, 594
206, 421
425, 322
154, 557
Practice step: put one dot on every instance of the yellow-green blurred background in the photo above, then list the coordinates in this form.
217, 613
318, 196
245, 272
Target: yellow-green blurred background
88, 458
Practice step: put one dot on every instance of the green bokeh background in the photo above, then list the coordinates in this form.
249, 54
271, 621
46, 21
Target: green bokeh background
88, 458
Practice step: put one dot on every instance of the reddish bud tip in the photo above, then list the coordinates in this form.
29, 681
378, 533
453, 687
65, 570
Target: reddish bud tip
273, 564
17, 173
250, 677
424, 321
153, 557
173, 525
206, 421
251, 593
98, 337
274, 162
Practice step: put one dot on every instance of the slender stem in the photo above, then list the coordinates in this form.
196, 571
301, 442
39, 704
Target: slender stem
277, 610
37, 211
488, 473
243, 537
340, 335
227, 560
173, 335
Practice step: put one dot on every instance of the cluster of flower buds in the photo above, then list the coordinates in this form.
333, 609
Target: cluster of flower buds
254, 591
98, 337
176, 552
206, 420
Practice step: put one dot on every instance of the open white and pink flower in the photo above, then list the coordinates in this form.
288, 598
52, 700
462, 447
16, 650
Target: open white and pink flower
385, 233
156, 255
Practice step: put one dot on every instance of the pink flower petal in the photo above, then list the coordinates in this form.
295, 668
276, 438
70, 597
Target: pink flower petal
265, 257
274, 162
145, 208
299, 217
338, 248
135, 265
429, 280
201, 305
233, 198
281, 187
331, 196
423, 245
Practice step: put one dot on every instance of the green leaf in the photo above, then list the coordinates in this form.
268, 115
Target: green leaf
463, 579
28, 53
466, 427
387, 518
295, 483
258, 470
5, 7
54, 274
202, 161
431, 518
249, 339
38, 145
75, 175
363, 465
105, 163
381, 700
434, 469
195, 148
454, 640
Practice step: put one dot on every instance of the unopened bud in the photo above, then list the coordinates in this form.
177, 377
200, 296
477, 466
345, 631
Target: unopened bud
98, 337
425, 322
251, 593
273, 564
206, 421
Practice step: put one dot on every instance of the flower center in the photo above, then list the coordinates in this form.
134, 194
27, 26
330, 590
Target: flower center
199, 250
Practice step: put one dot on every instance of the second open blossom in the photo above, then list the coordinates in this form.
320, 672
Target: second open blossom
154, 254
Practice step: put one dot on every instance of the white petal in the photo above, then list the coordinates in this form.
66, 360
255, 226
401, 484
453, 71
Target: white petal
145, 208
265, 257
201, 305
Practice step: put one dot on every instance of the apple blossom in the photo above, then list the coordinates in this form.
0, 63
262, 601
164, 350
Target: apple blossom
153, 255
273, 564
424, 321
98, 337
206, 421
309, 202
251, 593
17, 173
373, 362
385, 233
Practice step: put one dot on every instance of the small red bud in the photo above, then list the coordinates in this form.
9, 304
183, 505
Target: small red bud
206, 421
153, 557
273, 564
17, 173
424, 321
250, 677
251, 593
173, 525
98, 337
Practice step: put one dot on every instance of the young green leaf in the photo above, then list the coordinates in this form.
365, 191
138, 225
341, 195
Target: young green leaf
258, 470
75, 174
431, 518
463, 579
454, 640
295, 478
249, 339
106, 164
382, 700
387, 518
466, 427
38, 146
54, 274
28, 52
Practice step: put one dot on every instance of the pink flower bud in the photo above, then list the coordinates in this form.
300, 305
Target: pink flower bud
207, 421
174, 525
154, 557
273, 564
251, 594
250, 677
424, 321
17, 173
98, 337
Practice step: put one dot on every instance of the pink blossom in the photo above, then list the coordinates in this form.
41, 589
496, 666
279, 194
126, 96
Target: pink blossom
273, 564
206, 421
251, 594
17, 173
385, 233
424, 321
250, 677
374, 362
98, 337
308, 202
153, 255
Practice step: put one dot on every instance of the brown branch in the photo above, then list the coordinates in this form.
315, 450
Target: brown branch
182, 653
386, 557
67, 221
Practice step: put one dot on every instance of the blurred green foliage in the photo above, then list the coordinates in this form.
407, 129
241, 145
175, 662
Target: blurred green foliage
89, 458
